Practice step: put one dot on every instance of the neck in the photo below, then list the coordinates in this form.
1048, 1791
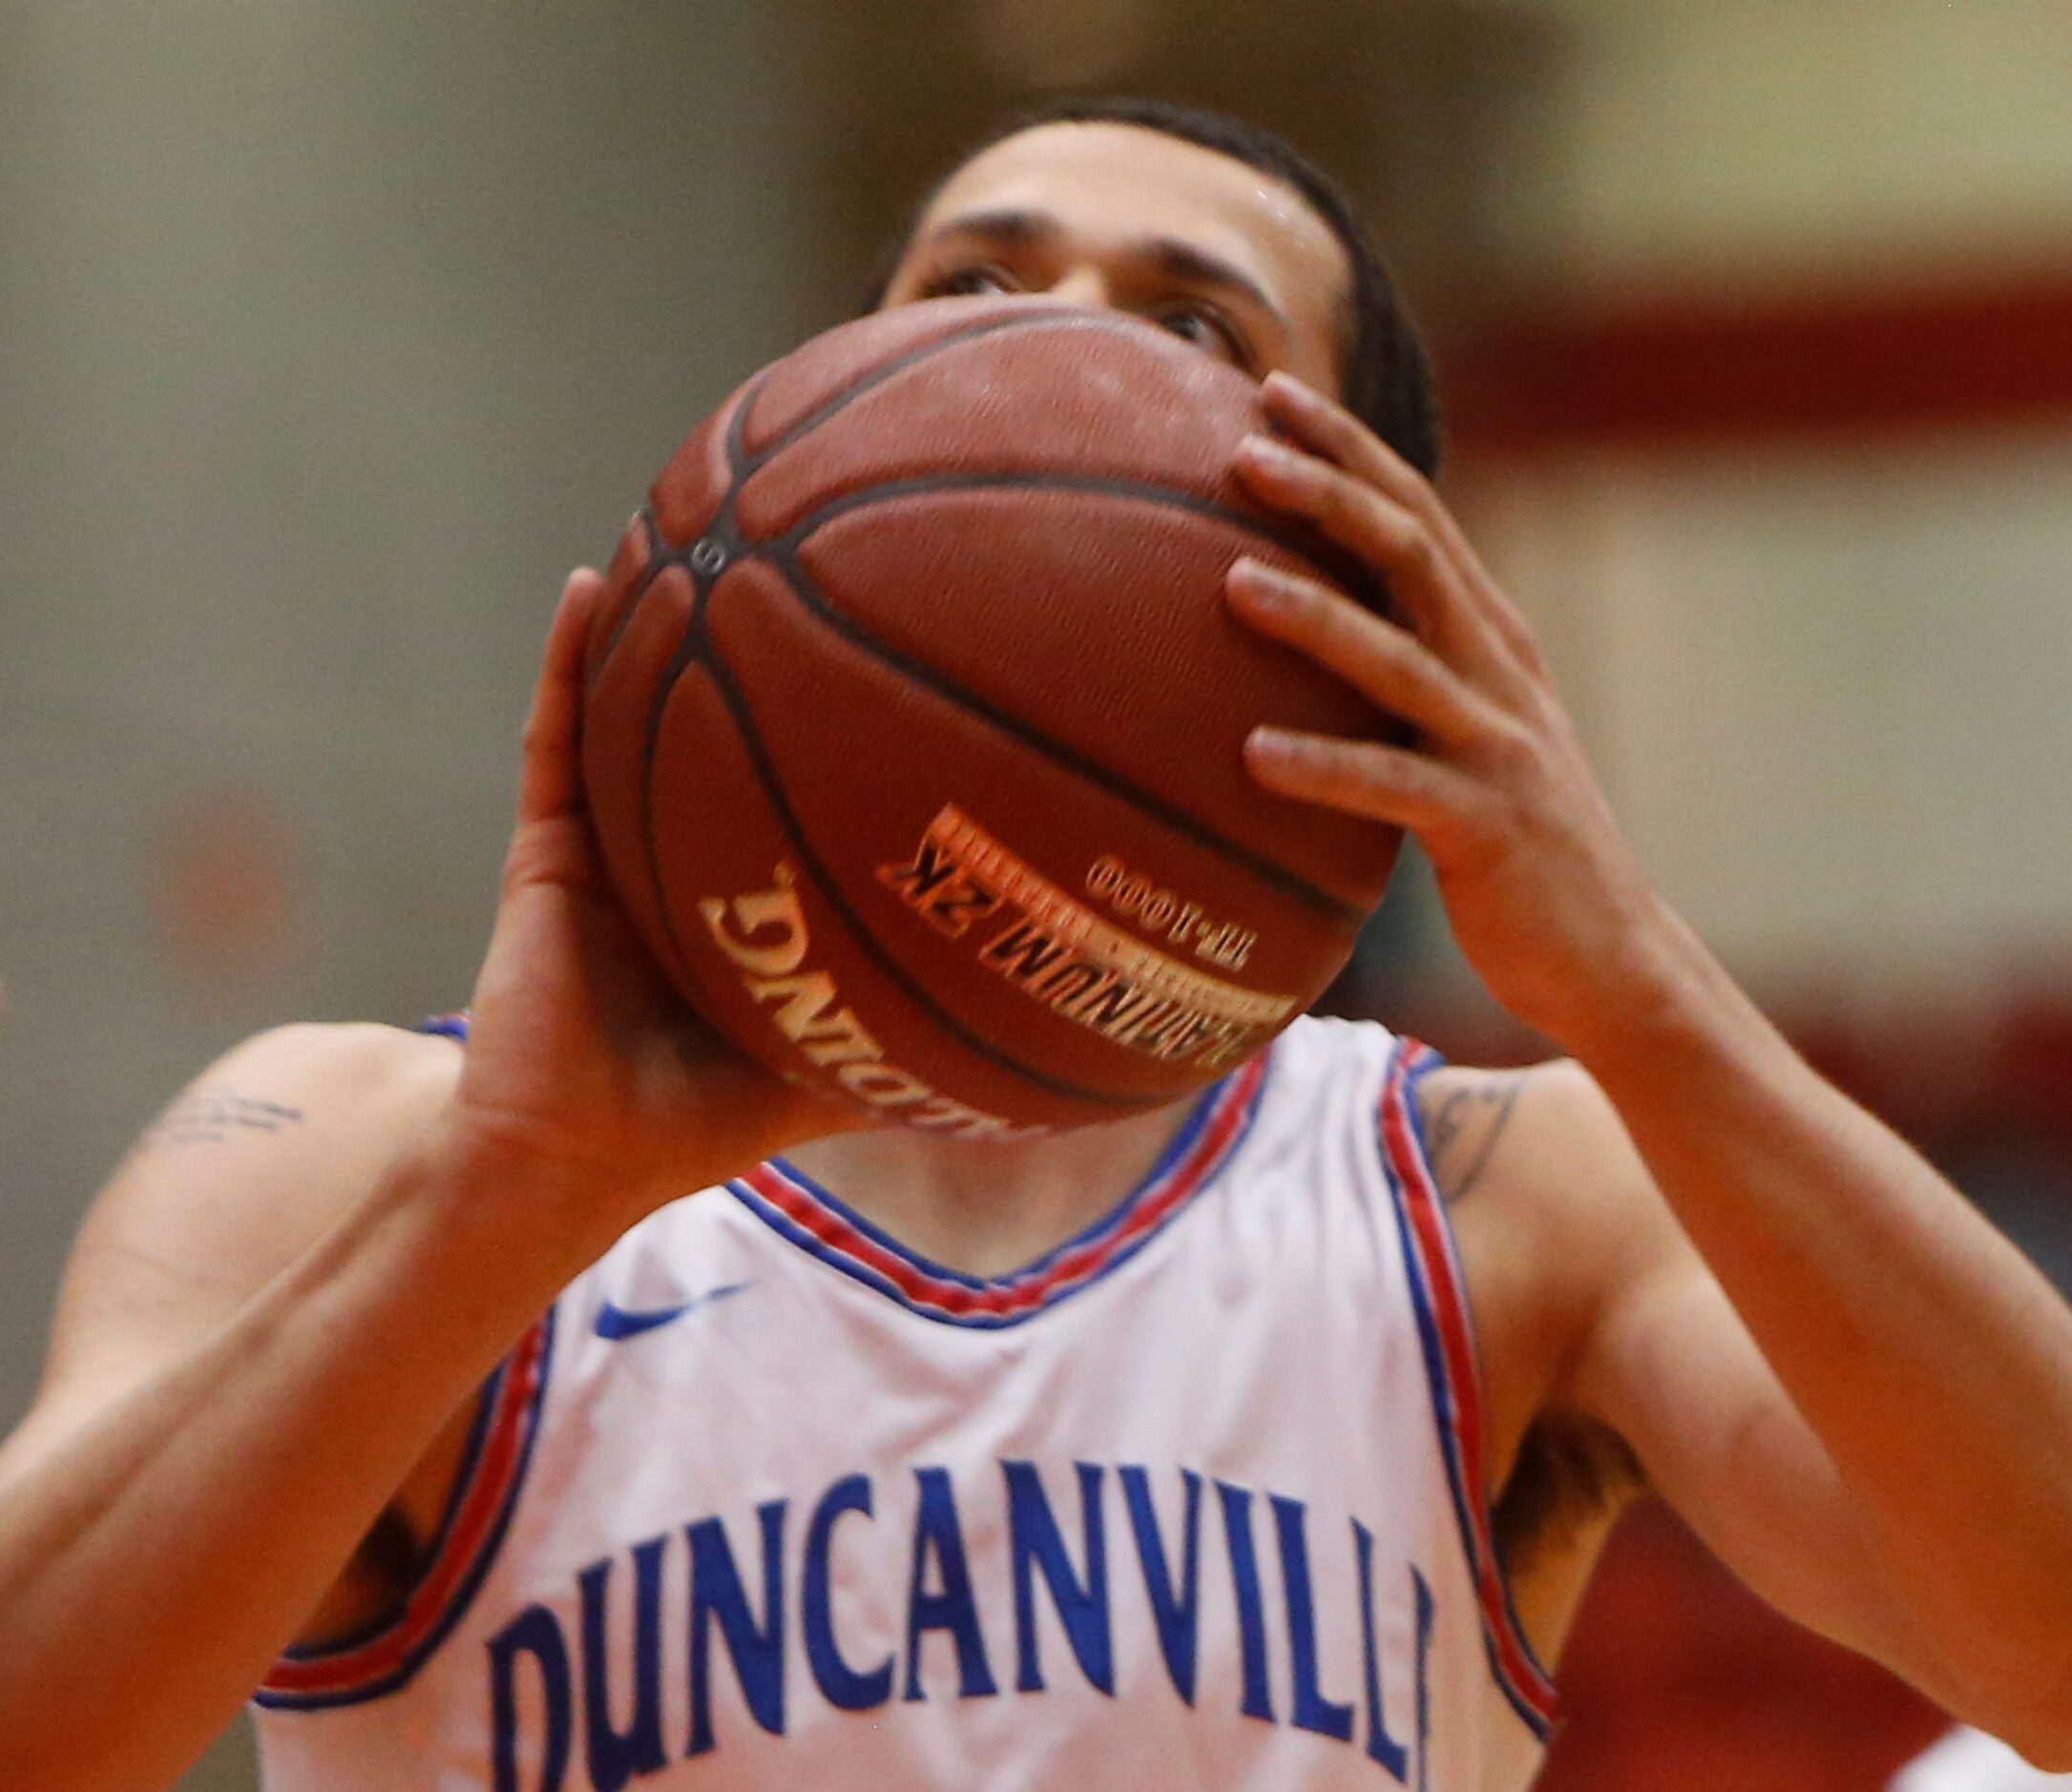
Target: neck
986, 1209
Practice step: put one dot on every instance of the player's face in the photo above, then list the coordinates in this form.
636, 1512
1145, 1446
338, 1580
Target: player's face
1118, 215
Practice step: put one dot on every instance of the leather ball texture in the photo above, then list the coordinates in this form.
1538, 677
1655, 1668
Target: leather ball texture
914, 724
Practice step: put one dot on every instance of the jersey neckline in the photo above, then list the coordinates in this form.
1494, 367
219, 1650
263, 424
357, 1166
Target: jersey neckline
825, 1227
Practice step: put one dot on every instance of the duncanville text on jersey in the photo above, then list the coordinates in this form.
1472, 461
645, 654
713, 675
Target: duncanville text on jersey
1077, 1540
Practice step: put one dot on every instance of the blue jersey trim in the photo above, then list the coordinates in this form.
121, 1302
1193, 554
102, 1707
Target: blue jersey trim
1183, 1140
1176, 1148
456, 1496
1443, 1405
471, 1584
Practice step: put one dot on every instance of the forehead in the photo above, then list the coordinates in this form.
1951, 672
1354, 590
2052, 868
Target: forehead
1114, 183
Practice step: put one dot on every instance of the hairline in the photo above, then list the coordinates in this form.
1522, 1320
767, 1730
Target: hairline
1345, 307
1386, 377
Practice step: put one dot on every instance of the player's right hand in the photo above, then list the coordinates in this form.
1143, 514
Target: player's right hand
584, 1066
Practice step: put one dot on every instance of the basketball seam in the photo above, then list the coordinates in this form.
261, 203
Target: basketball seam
696, 647
729, 686
1144, 490
1267, 870
657, 563
657, 884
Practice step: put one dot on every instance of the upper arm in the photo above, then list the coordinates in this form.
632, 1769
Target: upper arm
239, 1176
1661, 1356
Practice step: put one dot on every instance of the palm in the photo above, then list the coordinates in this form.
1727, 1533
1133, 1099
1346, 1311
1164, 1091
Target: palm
1544, 893
579, 1046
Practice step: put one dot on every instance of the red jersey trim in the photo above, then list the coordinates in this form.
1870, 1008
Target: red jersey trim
1446, 1327
477, 1513
816, 1221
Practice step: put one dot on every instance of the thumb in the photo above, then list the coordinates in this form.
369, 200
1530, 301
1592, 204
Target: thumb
549, 781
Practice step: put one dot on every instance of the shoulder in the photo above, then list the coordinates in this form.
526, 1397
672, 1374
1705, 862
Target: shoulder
1545, 1144
237, 1175
365, 1059
1321, 1093
293, 1113
333, 1099
313, 1078
306, 1077
1553, 1212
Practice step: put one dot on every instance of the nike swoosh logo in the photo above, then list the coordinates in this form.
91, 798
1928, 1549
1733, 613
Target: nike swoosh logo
616, 1321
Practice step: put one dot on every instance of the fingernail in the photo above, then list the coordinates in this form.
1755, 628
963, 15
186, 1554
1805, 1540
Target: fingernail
1251, 574
1263, 586
1262, 450
1273, 743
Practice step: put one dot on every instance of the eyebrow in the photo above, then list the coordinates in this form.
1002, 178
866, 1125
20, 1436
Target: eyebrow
1170, 255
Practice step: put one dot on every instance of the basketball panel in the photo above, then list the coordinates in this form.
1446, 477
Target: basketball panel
1053, 920
843, 358
771, 962
1072, 394
1111, 634
688, 493
624, 578
651, 620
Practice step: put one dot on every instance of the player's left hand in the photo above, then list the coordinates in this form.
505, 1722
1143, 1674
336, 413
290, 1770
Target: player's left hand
1544, 893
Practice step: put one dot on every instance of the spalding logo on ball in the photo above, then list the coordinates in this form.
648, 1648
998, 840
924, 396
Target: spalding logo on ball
914, 724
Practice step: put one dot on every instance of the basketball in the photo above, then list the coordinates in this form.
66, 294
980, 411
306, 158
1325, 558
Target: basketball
914, 724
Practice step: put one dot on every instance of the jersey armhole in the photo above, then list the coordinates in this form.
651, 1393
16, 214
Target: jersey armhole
1446, 1331
382, 1660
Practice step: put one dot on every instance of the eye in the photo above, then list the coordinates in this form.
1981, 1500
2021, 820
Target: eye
1206, 328
968, 282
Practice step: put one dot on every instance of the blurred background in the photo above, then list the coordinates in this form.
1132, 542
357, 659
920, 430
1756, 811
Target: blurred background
331, 336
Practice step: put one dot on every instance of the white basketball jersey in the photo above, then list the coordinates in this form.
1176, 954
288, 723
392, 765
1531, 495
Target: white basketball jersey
1968, 1760
768, 1501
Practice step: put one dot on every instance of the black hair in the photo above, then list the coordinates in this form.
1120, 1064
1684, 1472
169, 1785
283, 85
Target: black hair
1388, 380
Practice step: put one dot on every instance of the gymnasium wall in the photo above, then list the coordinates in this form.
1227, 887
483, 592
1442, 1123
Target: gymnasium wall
1767, 415
331, 337
1757, 143
1774, 427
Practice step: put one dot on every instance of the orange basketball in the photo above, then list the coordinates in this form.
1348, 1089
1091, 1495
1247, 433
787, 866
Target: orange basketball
914, 724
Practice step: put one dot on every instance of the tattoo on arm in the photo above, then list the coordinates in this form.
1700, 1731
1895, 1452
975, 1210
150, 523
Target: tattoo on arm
209, 1117
1472, 1117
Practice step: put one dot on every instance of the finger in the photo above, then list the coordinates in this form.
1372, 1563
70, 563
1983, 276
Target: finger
1327, 429
1324, 427
550, 776
1374, 529
1385, 784
1383, 661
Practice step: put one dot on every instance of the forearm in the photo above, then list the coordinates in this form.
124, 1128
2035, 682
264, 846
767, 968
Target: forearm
1933, 1364
1930, 1357
157, 1557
